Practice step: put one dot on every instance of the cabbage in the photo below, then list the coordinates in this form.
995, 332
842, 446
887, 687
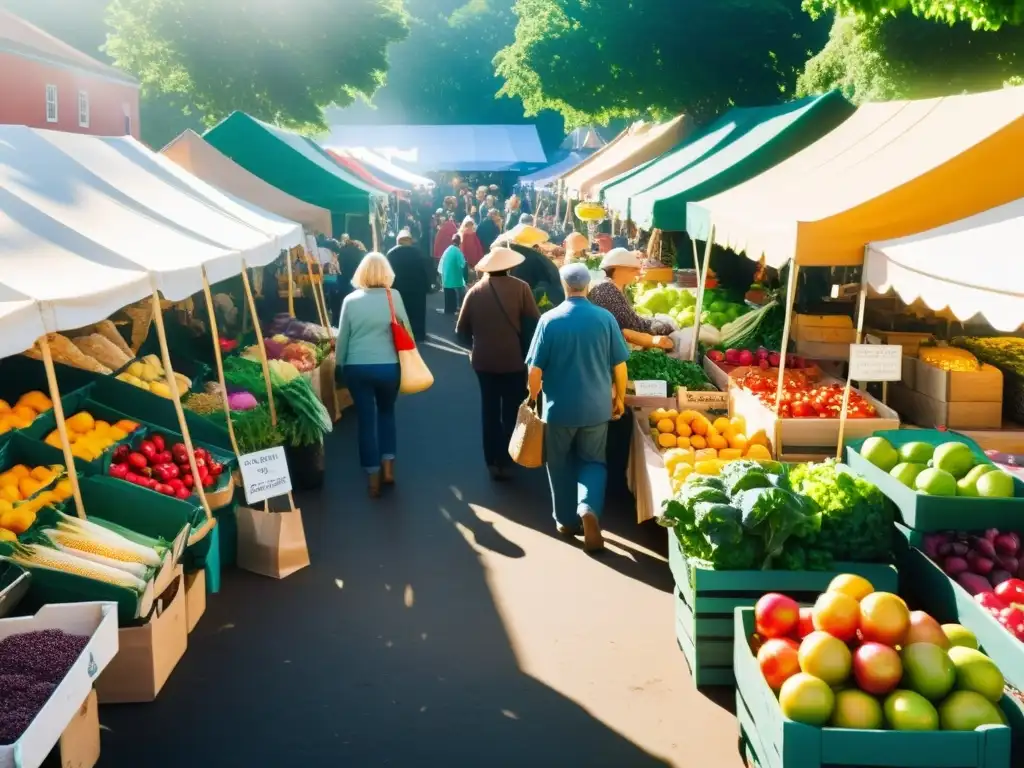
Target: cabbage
657, 301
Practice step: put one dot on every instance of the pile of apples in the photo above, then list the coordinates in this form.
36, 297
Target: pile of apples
861, 659
164, 467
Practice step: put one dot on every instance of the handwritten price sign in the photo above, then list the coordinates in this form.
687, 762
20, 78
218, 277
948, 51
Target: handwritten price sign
265, 475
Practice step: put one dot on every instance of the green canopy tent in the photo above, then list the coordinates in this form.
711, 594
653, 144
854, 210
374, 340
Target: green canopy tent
755, 139
295, 165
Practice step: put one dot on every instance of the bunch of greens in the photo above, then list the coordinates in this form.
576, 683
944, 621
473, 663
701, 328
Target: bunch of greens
654, 364
253, 428
856, 517
747, 518
1005, 352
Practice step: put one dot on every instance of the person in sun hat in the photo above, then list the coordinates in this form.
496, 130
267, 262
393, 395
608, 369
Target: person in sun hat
498, 318
537, 270
414, 278
578, 360
623, 268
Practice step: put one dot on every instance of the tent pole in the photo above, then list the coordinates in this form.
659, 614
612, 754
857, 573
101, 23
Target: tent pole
260, 344
172, 385
62, 429
289, 257
218, 358
794, 270
700, 292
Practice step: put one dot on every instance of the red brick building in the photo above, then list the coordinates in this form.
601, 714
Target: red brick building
45, 83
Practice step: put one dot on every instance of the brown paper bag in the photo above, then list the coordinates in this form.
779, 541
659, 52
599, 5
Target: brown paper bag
527, 445
344, 400
328, 390
271, 543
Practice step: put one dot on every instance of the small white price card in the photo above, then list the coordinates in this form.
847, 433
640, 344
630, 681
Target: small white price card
876, 362
265, 475
652, 388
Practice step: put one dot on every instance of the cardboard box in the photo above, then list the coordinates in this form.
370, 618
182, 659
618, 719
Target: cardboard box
195, 598
924, 411
819, 350
703, 401
80, 742
646, 475
910, 371
910, 341
148, 654
824, 334
984, 386
99, 622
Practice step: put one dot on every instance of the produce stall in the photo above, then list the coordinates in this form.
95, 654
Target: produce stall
889, 170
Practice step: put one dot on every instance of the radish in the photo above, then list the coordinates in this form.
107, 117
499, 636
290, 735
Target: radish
954, 566
973, 583
746, 357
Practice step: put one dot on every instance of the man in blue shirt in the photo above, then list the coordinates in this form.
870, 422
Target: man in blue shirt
578, 358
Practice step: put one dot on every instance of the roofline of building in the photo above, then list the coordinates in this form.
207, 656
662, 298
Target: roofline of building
102, 71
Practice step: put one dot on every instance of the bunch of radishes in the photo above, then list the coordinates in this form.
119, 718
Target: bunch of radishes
977, 562
763, 358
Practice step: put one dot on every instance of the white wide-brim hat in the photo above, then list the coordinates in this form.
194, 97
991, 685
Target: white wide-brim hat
621, 257
405, 234
525, 234
499, 260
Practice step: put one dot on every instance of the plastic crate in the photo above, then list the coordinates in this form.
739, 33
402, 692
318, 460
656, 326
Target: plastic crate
706, 600
773, 741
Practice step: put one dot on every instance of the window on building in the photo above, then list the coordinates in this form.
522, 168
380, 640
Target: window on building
83, 109
51, 103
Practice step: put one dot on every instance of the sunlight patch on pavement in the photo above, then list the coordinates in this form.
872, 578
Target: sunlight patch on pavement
456, 492
449, 350
446, 514
409, 596
387, 587
627, 544
446, 342
339, 583
510, 714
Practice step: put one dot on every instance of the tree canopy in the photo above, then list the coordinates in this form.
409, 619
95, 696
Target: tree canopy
981, 14
595, 60
907, 57
280, 62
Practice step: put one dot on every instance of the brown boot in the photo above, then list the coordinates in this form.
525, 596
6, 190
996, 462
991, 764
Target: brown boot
387, 467
374, 487
593, 539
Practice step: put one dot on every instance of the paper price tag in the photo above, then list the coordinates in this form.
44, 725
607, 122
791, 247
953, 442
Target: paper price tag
876, 362
703, 401
265, 475
652, 388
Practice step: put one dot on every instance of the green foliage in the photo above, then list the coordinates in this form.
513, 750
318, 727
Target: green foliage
280, 62
909, 58
980, 14
597, 60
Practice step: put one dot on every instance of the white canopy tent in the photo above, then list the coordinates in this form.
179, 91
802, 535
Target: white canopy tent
971, 267
83, 234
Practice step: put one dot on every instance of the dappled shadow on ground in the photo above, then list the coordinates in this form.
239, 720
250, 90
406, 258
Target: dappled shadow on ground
389, 649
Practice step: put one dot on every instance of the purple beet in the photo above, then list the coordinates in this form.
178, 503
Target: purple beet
991, 534
1007, 563
954, 566
998, 576
985, 548
932, 545
959, 549
980, 564
1007, 544
973, 583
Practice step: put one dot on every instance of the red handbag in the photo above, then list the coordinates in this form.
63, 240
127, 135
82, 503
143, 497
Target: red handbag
416, 377
403, 341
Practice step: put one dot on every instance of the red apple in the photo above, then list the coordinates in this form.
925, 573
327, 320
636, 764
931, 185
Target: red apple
779, 660
884, 618
805, 626
838, 614
877, 668
925, 629
776, 615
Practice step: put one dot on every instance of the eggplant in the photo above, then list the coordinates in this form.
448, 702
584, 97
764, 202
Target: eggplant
945, 549
985, 548
1007, 544
998, 576
954, 566
980, 564
959, 549
973, 583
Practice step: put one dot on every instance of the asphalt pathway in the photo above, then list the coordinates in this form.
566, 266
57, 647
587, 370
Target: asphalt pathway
446, 624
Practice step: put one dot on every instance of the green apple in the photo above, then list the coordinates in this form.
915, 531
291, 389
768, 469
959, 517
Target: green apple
916, 453
907, 473
880, 452
995, 485
955, 458
935, 482
968, 484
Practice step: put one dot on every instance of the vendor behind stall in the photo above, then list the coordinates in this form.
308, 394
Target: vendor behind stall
537, 270
623, 268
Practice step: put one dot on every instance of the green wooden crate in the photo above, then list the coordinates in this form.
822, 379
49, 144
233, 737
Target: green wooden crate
706, 599
933, 591
781, 743
938, 513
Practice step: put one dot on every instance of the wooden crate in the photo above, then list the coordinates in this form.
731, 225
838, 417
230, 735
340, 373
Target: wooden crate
983, 386
924, 411
706, 600
773, 741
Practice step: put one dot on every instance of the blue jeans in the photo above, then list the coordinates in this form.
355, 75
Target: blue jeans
577, 470
374, 390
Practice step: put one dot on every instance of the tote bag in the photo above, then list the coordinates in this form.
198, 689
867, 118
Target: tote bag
527, 444
416, 377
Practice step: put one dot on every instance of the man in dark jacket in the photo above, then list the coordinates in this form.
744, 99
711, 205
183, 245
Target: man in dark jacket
489, 229
415, 274
537, 270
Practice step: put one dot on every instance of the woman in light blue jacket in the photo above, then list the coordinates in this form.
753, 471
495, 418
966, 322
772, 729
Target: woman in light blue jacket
368, 364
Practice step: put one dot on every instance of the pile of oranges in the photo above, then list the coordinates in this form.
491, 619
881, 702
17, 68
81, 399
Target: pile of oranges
24, 491
23, 412
694, 443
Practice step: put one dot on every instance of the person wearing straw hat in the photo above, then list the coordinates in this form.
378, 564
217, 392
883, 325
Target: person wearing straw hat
498, 318
414, 278
578, 360
623, 268
537, 270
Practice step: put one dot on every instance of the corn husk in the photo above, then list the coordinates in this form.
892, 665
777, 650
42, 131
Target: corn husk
65, 352
104, 351
108, 330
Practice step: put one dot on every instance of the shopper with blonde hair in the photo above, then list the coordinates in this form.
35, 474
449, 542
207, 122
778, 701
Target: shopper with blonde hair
368, 364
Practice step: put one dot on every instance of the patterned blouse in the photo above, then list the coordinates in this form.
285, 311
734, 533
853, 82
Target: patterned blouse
608, 296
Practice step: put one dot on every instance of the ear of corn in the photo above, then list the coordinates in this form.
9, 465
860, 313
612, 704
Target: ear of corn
91, 548
91, 530
47, 558
949, 358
